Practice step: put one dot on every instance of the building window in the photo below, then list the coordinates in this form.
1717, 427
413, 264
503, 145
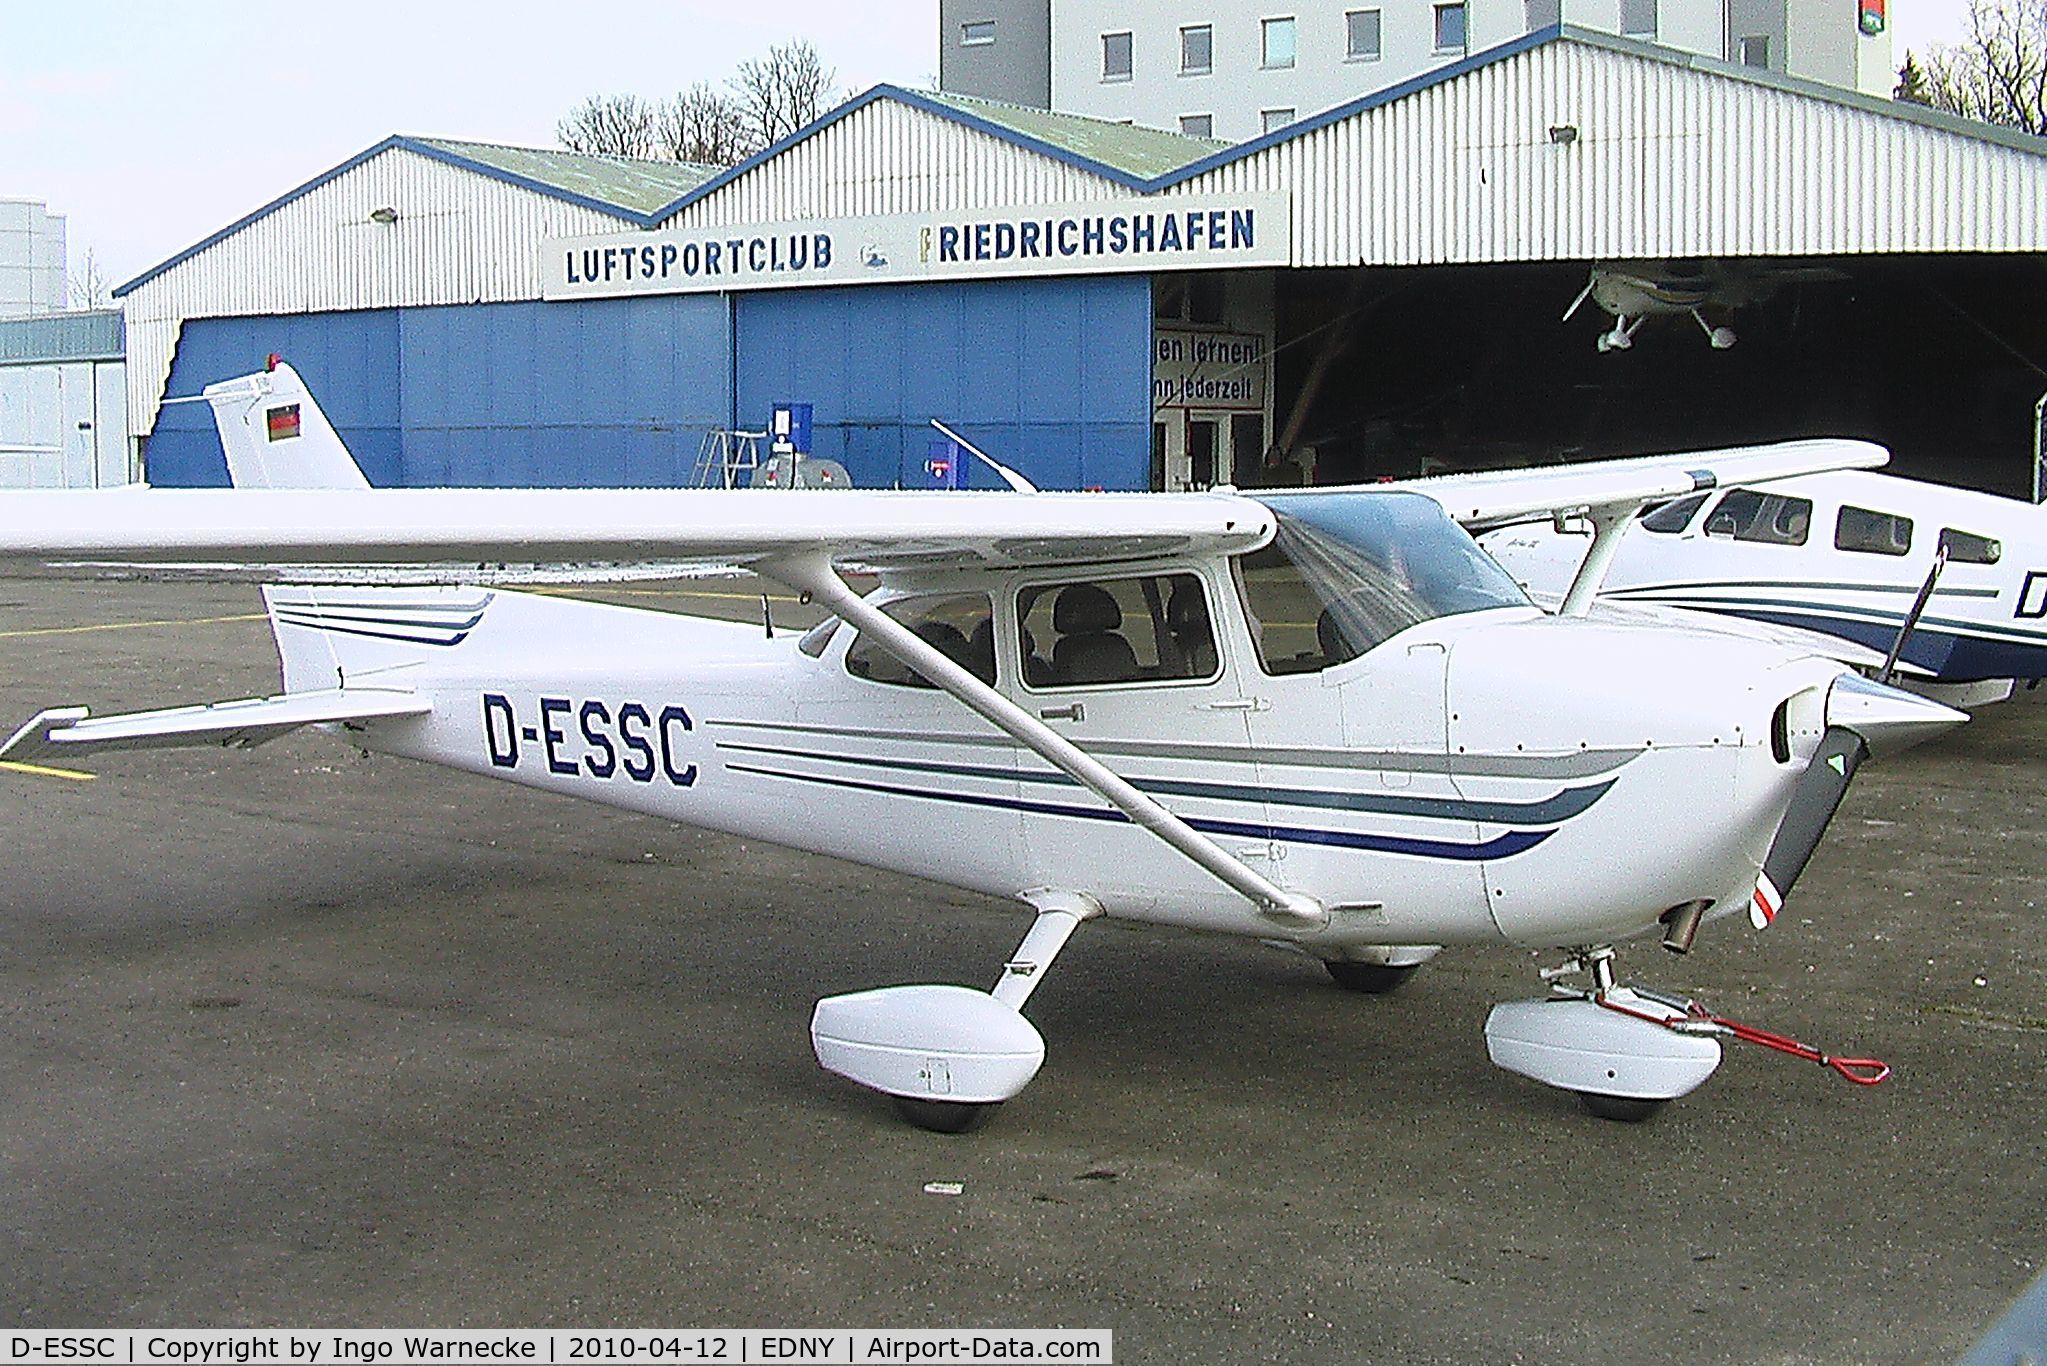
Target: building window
1197, 50
1275, 118
1198, 125
977, 34
1638, 19
1755, 51
1449, 28
1277, 52
1115, 56
1363, 28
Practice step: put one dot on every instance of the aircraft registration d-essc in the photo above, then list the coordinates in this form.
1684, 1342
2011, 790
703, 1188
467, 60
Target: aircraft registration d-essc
1323, 719
1947, 586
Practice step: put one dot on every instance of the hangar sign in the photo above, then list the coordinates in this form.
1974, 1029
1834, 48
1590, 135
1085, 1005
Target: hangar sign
1166, 233
1208, 370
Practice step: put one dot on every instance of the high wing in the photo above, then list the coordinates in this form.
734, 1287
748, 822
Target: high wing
1485, 500
878, 528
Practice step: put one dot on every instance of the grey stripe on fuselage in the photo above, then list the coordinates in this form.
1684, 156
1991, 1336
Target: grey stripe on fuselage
1590, 763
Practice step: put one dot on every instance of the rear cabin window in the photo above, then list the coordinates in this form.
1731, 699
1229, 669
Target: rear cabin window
1147, 628
1872, 533
1672, 517
1966, 547
1762, 518
960, 625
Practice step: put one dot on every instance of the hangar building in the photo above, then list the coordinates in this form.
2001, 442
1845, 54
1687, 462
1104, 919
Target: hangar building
1372, 291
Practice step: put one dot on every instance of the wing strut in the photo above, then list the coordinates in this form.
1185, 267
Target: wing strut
1608, 520
815, 574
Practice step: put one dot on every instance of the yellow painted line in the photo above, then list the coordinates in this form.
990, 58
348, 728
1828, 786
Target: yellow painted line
127, 626
43, 771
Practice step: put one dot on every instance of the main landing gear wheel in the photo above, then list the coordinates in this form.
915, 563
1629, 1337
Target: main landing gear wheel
945, 1116
1621, 1109
1373, 978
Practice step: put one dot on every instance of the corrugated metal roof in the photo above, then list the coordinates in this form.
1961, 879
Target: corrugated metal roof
1124, 147
626, 182
618, 186
59, 337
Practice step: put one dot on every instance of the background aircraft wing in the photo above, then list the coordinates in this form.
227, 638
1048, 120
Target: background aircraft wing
1482, 501
876, 528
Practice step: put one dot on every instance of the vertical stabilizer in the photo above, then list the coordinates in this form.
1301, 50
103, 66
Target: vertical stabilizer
276, 437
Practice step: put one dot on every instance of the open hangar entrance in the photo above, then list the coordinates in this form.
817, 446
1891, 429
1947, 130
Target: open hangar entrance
1396, 371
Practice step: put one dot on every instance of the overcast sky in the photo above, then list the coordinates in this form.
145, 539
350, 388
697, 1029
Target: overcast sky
151, 124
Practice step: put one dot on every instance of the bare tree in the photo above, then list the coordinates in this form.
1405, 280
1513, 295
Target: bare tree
612, 125
1998, 73
785, 90
87, 284
701, 125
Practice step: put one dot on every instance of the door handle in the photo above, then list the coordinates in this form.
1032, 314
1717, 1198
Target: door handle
1241, 704
1073, 711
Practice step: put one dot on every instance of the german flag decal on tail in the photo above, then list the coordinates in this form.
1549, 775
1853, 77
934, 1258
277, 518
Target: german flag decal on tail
283, 422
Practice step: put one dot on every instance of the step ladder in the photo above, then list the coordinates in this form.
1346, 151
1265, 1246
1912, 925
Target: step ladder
727, 459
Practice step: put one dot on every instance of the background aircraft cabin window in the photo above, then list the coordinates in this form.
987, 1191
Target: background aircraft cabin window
1873, 533
1345, 572
1766, 518
961, 625
1142, 629
1966, 547
1672, 516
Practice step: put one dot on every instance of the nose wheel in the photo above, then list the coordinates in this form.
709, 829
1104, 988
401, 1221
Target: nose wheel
1614, 1047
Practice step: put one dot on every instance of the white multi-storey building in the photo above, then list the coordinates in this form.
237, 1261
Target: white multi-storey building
31, 259
1234, 69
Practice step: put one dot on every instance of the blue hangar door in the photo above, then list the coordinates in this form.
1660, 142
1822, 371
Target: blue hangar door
1050, 376
595, 393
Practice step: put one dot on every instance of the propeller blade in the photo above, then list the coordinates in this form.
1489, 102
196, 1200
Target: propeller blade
1583, 295
1813, 803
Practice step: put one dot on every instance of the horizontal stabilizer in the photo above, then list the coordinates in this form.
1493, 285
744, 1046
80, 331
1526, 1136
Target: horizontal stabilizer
243, 724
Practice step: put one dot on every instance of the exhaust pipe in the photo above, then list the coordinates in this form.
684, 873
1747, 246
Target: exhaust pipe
1681, 925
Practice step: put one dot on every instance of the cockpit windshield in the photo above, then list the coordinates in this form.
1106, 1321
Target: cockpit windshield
1348, 570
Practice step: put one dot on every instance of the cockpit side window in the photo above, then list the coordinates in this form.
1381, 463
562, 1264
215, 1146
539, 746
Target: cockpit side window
1146, 628
1345, 571
960, 625
1761, 518
1673, 516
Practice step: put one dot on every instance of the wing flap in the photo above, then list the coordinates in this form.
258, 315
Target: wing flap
243, 724
1483, 501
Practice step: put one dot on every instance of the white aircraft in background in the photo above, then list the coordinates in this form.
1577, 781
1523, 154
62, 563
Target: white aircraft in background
1324, 719
1634, 291
1945, 587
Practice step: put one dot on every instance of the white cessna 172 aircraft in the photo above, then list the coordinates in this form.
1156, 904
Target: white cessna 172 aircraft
1324, 719
1949, 585
1632, 292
